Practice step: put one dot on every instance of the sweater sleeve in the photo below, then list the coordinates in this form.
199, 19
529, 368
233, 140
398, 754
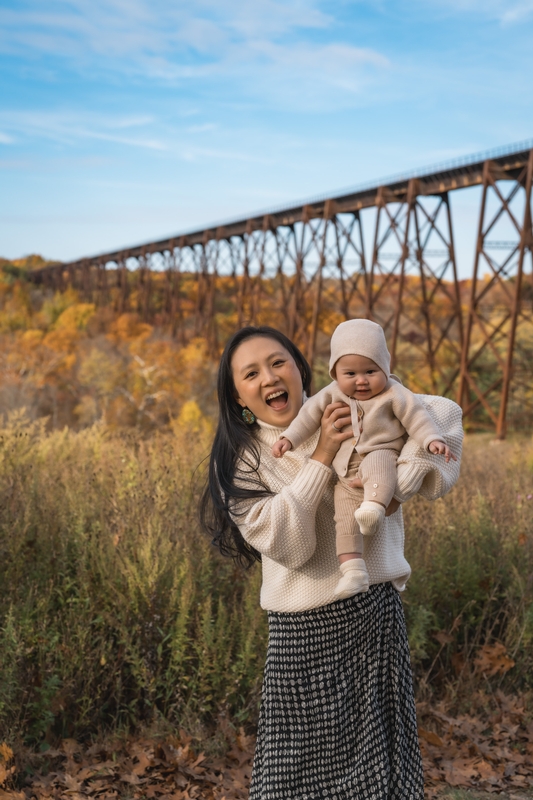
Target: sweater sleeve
419, 471
282, 526
309, 418
415, 418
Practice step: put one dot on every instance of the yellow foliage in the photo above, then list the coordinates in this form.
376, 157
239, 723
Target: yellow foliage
53, 307
194, 353
63, 340
75, 317
15, 308
87, 410
129, 326
102, 371
33, 261
31, 338
192, 421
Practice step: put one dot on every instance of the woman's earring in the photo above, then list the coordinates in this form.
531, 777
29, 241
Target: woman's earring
248, 416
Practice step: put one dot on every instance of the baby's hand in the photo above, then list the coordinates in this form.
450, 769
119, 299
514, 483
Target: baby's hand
441, 449
281, 447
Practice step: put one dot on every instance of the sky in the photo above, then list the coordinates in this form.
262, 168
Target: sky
124, 121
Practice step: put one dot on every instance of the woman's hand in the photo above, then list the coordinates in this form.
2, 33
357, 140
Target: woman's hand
332, 434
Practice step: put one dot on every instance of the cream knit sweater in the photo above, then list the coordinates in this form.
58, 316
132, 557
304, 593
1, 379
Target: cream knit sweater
294, 528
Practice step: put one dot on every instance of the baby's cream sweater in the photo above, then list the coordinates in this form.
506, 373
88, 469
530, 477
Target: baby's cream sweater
378, 423
294, 529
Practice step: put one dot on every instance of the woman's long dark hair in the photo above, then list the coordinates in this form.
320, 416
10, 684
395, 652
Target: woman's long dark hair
235, 442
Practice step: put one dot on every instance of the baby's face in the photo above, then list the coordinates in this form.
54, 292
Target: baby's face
359, 377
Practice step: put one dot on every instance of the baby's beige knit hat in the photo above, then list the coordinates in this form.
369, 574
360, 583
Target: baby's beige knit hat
359, 337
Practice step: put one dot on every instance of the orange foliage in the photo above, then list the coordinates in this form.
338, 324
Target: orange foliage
77, 364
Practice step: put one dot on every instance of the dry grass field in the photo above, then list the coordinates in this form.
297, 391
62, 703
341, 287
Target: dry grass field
117, 617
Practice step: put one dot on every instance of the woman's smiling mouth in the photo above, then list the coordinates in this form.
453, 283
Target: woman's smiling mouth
277, 400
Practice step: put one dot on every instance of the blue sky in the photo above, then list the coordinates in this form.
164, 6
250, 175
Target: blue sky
127, 120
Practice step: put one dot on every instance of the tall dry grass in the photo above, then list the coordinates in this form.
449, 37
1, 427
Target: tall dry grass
116, 612
469, 603
114, 609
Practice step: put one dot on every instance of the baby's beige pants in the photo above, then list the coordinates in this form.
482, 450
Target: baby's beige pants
377, 471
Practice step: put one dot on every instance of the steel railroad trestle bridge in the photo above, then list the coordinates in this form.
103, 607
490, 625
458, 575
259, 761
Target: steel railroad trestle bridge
304, 269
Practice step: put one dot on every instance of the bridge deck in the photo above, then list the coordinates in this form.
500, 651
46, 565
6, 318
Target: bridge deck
458, 174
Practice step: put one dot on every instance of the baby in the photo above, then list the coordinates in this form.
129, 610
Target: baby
383, 412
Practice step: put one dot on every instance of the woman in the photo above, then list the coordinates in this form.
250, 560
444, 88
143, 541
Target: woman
337, 717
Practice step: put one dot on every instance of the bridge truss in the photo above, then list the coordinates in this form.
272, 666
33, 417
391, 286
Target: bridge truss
306, 268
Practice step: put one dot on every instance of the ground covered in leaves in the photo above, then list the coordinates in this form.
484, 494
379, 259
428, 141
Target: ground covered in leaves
463, 754
170, 769
492, 753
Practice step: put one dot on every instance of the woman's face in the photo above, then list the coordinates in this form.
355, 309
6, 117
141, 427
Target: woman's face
267, 380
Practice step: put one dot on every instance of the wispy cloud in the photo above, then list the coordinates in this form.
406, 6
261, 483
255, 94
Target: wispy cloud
193, 153
5, 139
503, 11
264, 44
142, 29
35, 165
69, 127
205, 128
305, 76
518, 12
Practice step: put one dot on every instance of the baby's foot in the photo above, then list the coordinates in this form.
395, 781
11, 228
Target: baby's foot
369, 517
354, 579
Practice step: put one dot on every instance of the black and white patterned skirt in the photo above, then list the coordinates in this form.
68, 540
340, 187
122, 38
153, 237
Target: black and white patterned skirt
337, 718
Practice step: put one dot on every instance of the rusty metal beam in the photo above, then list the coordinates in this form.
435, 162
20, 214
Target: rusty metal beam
526, 241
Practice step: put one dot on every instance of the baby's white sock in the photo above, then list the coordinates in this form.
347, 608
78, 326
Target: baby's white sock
354, 579
369, 515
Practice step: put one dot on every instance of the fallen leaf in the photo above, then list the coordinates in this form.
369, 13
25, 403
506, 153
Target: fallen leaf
71, 782
431, 737
486, 770
143, 762
70, 746
6, 752
465, 751
458, 662
459, 772
4, 774
492, 659
130, 778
